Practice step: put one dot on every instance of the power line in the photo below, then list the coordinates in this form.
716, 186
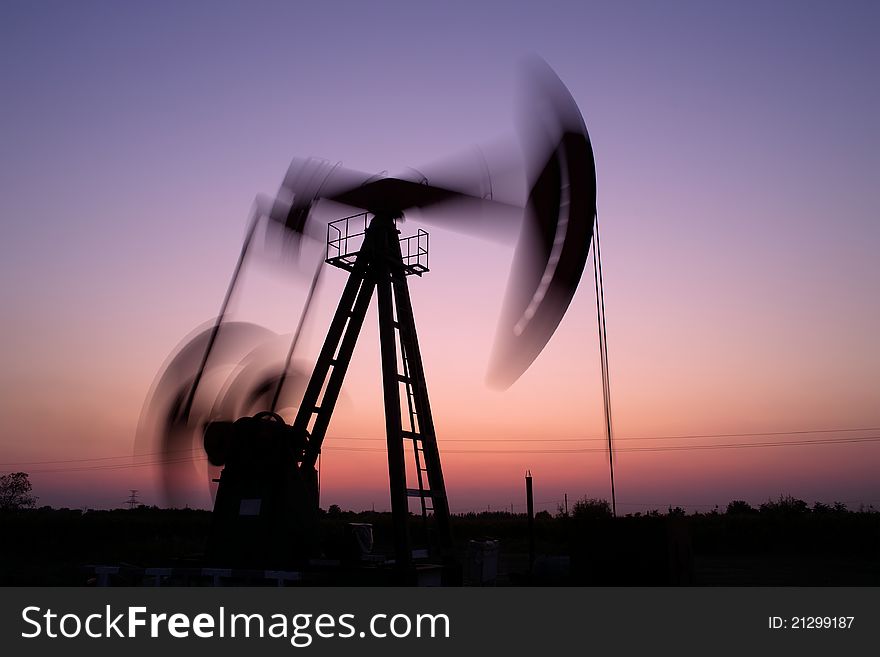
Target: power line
492, 440
120, 466
744, 435
619, 438
784, 443
586, 450
659, 448
662, 448
100, 458
645, 505
603, 352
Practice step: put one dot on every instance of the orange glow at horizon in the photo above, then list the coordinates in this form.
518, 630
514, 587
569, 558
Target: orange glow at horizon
736, 193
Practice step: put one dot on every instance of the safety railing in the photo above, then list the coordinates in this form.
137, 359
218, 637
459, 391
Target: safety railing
345, 238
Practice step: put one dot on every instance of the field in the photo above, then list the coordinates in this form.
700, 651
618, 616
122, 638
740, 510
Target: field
776, 546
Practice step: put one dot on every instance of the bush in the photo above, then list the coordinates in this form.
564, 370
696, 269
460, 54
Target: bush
589, 508
785, 504
739, 507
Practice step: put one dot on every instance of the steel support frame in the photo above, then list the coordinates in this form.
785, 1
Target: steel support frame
379, 265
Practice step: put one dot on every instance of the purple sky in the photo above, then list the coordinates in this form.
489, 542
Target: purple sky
738, 161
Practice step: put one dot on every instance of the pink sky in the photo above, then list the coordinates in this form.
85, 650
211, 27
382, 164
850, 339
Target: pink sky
737, 199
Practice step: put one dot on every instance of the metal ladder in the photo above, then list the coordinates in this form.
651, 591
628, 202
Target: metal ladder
424, 494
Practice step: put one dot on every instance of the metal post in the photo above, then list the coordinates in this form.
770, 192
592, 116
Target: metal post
391, 390
530, 506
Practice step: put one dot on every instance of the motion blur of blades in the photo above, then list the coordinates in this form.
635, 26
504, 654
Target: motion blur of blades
163, 428
287, 253
310, 180
307, 181
234, 340
251, 386
394, 196
290, 216
487, 201
272, 245
557, 228
545, 111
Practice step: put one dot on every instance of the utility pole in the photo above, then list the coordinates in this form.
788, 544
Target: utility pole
566, 505
132, 500
530, 507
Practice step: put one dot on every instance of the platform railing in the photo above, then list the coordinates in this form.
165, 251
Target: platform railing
345, 237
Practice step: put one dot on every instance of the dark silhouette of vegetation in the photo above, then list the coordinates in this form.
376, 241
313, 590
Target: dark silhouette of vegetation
15, 492
784, 542
786, 504
837, 507
587, 508
740, 507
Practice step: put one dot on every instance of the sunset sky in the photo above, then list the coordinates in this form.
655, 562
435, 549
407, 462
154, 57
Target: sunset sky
738, 162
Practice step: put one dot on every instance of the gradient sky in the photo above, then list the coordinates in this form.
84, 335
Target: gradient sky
738, 158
